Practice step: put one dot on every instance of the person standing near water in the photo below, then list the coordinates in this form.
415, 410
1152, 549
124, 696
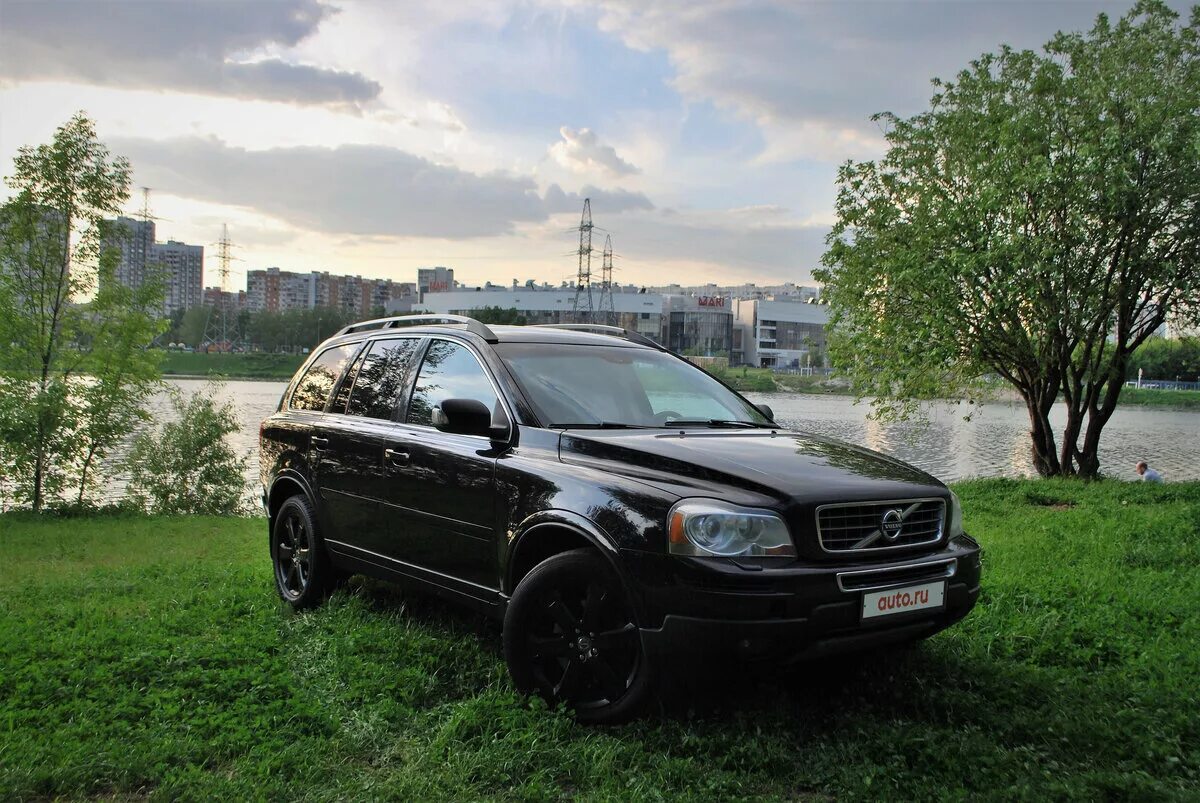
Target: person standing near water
1148, 474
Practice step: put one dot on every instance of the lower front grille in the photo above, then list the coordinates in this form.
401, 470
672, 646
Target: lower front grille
888, 524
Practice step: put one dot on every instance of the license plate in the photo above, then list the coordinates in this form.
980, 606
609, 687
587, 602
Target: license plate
903, 600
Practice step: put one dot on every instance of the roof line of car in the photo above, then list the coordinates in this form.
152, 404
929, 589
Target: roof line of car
422, 323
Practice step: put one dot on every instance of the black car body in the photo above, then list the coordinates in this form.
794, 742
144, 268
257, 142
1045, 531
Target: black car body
499, 501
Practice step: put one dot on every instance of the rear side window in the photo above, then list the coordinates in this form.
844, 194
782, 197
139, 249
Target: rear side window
449, 371
313, 389
382, 378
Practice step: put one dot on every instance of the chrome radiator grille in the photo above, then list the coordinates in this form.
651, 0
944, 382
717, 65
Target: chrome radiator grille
880, 525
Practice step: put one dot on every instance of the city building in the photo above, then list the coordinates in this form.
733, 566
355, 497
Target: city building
275, 290
780, 334
230, 301
434, 280
787, 291
639, 312
141, 256
698, 325
184, 280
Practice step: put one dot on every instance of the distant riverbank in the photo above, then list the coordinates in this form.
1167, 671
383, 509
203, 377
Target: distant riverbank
254, 365
764, 380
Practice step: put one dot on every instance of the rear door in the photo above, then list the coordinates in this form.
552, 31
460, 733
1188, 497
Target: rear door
361, 434
442, 499
310, 401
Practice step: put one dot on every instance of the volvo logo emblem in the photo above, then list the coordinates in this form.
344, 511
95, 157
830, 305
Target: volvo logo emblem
891, 524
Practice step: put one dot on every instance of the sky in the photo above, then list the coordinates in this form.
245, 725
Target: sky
377, 137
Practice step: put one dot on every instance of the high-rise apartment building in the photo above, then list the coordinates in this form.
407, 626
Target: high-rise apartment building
141, 255
184, 273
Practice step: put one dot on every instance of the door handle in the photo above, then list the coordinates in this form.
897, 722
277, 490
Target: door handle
396, 458
318, 443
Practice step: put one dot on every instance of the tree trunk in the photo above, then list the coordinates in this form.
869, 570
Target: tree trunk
1039, 402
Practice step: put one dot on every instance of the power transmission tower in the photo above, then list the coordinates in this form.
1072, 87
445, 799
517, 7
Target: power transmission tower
581, 307
607, 309
219, 330
224, 257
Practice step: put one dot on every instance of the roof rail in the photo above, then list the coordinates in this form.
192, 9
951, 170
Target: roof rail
473, 326
601, 329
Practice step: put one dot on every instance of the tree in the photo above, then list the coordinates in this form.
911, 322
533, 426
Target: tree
1038, 223
1159, 358
498, 315
187, 466
72, 374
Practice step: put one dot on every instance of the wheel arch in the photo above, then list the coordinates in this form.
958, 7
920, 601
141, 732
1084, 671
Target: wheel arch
284, 486
549, 533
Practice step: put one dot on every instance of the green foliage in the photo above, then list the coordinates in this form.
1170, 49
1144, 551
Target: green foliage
192, 323
151, 657
250, 365
186, 465
1044, 203
57, 423
1161, 358
498, 315
294, 330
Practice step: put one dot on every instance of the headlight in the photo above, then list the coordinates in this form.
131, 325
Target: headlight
956, 526
707, 527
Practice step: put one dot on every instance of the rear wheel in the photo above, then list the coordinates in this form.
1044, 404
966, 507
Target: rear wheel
303, 572
570, 636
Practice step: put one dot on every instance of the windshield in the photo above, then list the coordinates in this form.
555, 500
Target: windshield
597, 386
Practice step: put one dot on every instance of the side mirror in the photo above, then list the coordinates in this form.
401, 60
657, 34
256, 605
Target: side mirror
468, 417
765, 409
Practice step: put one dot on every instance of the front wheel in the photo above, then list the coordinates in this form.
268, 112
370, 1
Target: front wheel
570, 636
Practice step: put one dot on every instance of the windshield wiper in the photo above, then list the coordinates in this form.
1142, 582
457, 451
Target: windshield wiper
600, 425
709, 422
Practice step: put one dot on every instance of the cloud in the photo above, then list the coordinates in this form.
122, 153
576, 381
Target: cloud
224, 47
810, 75
754, 244
581, 150
364, 190
602, 200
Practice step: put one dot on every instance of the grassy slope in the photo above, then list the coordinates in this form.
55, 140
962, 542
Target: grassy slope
253, 366
1180, 399
151, 656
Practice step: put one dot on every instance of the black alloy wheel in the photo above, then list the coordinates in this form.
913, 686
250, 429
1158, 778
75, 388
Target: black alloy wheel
302, 569
570, 636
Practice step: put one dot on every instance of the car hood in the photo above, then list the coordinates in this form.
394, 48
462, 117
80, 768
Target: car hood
788, 466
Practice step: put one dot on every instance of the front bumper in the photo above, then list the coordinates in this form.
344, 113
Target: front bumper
701, 606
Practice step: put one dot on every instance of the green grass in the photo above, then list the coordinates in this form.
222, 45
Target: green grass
234, 366
1153, 397
150, 657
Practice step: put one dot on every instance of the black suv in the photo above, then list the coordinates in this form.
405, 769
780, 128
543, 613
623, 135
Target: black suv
613, 504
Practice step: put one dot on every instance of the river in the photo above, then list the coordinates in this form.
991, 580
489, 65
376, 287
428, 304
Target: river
994, 442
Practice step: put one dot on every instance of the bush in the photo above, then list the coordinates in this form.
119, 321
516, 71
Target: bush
186, 465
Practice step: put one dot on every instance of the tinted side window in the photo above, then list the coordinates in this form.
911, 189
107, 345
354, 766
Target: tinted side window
343, 391
312, 391
382, 377
449, 371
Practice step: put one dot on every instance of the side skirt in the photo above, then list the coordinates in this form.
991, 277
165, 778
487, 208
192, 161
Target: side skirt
488, 601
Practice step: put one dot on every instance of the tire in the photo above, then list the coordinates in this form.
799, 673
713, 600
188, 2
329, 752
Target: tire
570, 635
303, 572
